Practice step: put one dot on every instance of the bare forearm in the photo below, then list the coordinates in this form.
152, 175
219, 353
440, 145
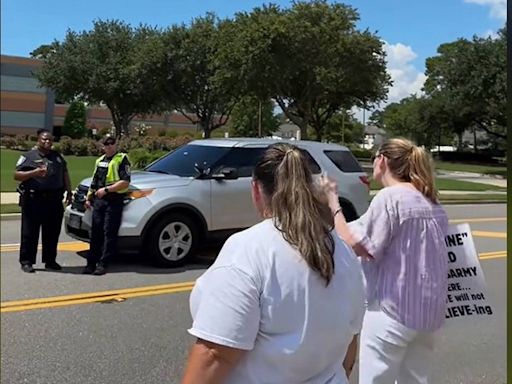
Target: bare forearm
118, 186
24, 175
209, 363
350, 357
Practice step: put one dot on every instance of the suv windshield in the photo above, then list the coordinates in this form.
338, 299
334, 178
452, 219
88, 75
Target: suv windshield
181, 162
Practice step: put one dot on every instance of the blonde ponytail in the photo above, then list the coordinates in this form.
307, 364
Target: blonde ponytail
421, 173
299, 212
410, 163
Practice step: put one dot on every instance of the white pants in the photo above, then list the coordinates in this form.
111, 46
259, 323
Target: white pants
392, 353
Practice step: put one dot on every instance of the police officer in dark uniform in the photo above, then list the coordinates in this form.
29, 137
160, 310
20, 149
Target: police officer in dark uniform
44, 177
106, 196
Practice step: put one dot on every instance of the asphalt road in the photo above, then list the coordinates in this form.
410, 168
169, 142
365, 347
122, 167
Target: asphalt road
140, 336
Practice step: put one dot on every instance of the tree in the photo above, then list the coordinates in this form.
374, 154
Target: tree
425, 120
310, 59
113, 64
189, 73
344, 128
471, 77
75, 121
245, 118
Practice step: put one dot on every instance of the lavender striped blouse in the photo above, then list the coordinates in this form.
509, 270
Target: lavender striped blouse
407, 279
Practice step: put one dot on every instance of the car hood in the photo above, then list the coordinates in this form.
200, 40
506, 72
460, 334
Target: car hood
143, 179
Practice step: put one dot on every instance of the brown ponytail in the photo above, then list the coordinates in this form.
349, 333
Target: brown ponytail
298, 210
410, 163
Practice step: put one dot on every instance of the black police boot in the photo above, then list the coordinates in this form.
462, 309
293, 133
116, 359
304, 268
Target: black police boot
88, 270
100, 270
53, 265
27, 268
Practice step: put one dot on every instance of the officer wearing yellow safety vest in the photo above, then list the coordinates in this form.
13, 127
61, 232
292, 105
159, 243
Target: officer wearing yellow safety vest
105, 196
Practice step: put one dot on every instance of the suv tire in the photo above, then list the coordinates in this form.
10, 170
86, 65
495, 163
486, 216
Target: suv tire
172, 240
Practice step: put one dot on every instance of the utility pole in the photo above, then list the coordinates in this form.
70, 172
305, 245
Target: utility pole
343, 127
259, 119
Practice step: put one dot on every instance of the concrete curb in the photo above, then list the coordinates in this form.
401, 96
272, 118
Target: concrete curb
10, 216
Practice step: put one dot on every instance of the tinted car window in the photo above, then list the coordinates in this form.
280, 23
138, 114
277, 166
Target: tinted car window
243, 159
344, 160
181, 162
315, 168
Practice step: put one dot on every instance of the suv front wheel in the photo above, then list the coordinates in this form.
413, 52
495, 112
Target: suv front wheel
172, 240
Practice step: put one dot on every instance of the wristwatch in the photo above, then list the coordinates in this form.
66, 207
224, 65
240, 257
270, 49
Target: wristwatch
106, 189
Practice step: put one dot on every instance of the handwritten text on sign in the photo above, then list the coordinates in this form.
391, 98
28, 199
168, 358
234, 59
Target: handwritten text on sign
466, 283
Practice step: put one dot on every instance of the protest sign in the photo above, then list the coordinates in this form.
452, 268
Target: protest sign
466, 284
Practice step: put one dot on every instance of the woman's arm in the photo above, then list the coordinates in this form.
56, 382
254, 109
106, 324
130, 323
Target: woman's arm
210, 363
350, 357
340, 223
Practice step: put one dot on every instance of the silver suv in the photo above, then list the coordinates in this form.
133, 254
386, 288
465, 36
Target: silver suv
201, 191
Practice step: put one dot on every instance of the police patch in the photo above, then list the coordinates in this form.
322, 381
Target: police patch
20, 160
59, 159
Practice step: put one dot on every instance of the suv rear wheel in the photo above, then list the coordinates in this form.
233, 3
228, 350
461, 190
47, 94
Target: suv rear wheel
172, 240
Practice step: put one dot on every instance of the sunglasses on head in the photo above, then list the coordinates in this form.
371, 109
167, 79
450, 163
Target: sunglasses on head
376, 156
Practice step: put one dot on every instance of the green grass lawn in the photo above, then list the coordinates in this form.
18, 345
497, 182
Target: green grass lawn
461, 167
79, 168
454, 185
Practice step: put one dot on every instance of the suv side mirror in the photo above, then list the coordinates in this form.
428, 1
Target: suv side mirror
226, 173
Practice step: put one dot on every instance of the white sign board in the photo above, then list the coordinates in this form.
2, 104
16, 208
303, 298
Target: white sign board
466, 284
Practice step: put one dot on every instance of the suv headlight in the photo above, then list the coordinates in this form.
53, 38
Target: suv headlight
138, 193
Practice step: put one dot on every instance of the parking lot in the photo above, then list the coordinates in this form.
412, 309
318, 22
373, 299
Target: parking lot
129, 326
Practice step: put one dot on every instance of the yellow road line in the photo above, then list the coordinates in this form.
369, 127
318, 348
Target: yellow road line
492, 255
93, 295
122, 294
69, 246
95, 299
497, 235
479, 220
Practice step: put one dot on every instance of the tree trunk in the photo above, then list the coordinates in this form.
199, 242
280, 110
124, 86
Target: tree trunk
318, 133
205, 126
303, 131
474, 140
459, 142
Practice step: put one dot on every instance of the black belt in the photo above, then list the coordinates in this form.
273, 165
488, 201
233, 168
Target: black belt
52, 194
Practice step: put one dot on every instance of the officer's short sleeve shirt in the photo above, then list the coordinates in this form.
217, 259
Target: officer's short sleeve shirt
56, 166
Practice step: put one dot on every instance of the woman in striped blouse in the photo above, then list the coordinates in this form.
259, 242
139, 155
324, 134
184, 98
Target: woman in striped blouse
401, 243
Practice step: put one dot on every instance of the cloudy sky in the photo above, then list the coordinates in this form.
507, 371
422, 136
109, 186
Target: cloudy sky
411, 30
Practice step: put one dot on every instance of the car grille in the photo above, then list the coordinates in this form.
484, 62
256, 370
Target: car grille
79, 198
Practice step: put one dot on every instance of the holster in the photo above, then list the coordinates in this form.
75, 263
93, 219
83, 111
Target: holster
22, 198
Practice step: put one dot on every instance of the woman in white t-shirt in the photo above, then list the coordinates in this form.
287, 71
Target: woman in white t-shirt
284, 301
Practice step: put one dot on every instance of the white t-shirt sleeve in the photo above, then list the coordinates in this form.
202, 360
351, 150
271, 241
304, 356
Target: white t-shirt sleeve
226, 308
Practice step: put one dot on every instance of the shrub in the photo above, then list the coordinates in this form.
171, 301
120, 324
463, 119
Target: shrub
80, 147
162, 132
362, 153
75, 120
56, 147
467, 157
66, 145
8, 142
140, 158
93, 147
172, 134
21, 142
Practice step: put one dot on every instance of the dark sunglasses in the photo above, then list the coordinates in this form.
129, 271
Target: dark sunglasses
109, 143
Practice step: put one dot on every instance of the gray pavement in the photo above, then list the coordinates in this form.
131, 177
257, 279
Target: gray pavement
144, 340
